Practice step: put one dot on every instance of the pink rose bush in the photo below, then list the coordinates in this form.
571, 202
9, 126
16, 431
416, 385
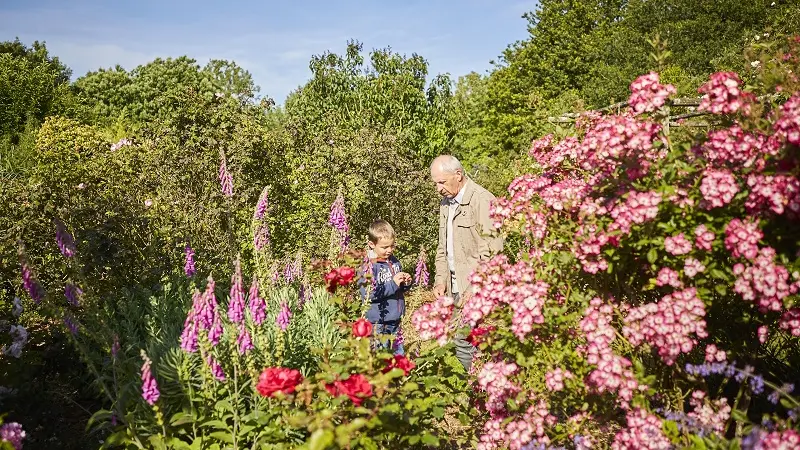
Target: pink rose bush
660, 262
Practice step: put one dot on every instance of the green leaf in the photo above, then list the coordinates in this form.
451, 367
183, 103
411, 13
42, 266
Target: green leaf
222, 436
722, 289
429, 439
652, 255
320, 439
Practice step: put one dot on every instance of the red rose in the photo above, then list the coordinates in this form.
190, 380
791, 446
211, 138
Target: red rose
356, 387
341, 276
400, 362
362, 328
274, 379
476, 335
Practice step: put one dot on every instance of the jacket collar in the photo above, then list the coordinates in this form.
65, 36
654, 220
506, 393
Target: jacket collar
469, 190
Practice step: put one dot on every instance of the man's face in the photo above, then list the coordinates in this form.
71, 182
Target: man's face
447, 184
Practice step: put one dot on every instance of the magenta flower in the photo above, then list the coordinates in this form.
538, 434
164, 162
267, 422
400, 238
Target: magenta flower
261, 236
207, 306
64, 240
189, 267
225, 178
421, 276
244, 342
12, 433
189, 334
236, 303
73, 294
215, 333
31, 285
263, 205
150, 391
283, 317
648, 94
72, 326
303, 294
338, 220
216, 368
256, 304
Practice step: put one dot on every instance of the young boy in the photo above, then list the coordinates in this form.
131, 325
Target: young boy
390, 282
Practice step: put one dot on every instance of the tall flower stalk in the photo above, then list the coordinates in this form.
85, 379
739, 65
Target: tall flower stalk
225, 177
337, 219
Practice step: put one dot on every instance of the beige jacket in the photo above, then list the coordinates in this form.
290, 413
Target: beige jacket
471, 240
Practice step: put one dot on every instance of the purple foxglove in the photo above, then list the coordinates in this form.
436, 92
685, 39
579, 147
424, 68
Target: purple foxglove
150, 391
189, 267
236, 302
262, 205
71, 325
261, 236
31, 285
216, 330
283, 317
257, 306
216, 368
73, 294
115, 347
244, 342
338, 217
421, 276
225, 178
208, 306
64, 240
189, 334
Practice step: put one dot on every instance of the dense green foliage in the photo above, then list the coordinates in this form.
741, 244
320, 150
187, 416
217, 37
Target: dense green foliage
365, 125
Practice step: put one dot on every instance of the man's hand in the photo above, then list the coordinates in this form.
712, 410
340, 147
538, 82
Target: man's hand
439, 290
464, 298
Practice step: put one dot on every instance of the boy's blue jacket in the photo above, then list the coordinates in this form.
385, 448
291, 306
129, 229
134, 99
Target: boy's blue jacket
388, 303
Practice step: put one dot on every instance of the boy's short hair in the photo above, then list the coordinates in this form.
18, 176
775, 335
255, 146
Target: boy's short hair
380, 229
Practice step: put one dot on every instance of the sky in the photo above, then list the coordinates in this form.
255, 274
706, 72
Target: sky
274, 40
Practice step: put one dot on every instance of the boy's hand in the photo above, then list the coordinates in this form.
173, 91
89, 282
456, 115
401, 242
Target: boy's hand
402, 278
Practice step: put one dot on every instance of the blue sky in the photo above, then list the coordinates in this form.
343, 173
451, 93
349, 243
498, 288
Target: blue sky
273, 40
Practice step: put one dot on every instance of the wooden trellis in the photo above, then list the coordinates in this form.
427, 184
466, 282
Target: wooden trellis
678, 120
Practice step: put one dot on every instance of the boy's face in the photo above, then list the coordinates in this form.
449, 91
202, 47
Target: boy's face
383, 248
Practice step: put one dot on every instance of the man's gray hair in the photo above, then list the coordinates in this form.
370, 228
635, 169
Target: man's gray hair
448, 163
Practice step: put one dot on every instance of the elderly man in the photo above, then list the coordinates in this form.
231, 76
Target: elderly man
464, 239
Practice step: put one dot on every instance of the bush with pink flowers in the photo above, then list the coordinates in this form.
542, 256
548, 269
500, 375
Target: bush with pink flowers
654, 305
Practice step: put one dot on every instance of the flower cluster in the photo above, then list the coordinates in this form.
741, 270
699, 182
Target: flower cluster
774, 193
189, 266
421, 275
497, 282
692, 267
243, 341
493, 380
737, 148
341, 276
643, 433
356, 387
723, 94
589, 248
741, 238
150, 391
613, 372
225, 177
638, 208
703, 238
763, 281
236, 302
502, 432
124, 142
790, 321
714, 354
788, 124
718, 188
12, 433
648, 94
399, 362
73, 294
432, 320
31, 284
615, 139
204, 316
774, 440
262, 205
19, 337
554, 379
709, 416
677, 245
668, 325
278, 379
285, 314
64, 240
668, 277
